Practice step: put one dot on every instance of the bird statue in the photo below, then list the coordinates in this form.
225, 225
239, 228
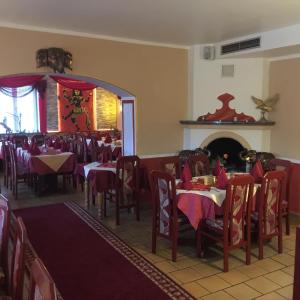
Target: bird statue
265, 105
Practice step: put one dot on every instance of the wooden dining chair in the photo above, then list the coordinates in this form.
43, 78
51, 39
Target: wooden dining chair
171, 165
38, 139
19, 173
166, 218
233, 230
42, 286
127, 185
268, 219
284, 165
4, 235
199, 164
16, 274
6, 165
19, 140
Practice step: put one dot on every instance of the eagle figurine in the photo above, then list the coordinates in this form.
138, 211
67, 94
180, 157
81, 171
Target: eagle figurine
265, 105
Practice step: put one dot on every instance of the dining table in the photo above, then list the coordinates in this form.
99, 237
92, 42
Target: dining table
45, 166
205, 202
100, 178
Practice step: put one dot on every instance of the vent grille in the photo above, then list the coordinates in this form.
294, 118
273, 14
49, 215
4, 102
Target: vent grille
239, 46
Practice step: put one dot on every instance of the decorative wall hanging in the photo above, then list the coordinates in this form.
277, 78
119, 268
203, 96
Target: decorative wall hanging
225, 113
265, 105
75, 110
55, 58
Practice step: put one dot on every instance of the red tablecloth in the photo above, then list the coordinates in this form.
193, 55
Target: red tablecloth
38, 165
196, 208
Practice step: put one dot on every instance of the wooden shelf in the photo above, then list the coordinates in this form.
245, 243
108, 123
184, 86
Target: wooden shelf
234, 123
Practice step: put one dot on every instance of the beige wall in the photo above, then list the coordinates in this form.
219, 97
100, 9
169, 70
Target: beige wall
157, 76
285, 80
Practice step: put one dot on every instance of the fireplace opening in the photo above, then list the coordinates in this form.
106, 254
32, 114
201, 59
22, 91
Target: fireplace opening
227, 150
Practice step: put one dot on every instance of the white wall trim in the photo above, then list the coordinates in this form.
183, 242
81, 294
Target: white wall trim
89, 35
296, 161
157, 155
284, 57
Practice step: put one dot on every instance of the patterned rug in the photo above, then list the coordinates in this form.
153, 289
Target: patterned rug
88, 261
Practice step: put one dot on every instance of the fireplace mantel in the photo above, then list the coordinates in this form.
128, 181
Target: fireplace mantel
228, 123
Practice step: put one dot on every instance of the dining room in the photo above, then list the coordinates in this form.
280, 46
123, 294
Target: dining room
138, 164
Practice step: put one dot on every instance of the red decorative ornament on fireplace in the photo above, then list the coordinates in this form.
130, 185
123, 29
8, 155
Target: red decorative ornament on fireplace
225, 113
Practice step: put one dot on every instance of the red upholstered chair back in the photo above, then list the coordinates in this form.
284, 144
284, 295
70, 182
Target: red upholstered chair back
164, 203
269, 211
38, 139
18, 140
127, 179
199, 164
172, 166
4, 232
17, 267
283, 165
105, 154
42, 286
237, 209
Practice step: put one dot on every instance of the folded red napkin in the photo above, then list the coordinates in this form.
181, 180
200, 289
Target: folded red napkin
186, 175
217, 168
222, 180
34, 150
257, 171
26, 146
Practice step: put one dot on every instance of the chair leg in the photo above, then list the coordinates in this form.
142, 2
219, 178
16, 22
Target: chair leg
199, 243
137, 209
280, 237
225, 258
174, 244
287, 224
117, 210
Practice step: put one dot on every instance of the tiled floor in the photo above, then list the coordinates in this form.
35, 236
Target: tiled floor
267, 279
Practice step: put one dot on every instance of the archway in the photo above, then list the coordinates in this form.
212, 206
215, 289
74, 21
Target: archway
127, 100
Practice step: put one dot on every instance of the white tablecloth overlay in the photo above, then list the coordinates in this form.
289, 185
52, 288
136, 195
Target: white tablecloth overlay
97, 166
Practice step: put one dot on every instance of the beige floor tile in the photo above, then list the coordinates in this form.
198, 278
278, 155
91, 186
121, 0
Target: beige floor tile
242, 291
206, 270
252, 270
286, 292
185, 262
186, 275
213, 283
284, 259
154, 258
233, 277
195, 289
269, 265
263, 285
289, 270
271, 296
281, 278
221, 295
165, 266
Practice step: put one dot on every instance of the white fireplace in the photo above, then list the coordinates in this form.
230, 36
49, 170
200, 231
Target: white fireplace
249, 136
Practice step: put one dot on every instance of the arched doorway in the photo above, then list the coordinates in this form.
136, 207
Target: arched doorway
126, 99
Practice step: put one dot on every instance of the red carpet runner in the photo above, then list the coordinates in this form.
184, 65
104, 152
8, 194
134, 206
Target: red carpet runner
89, 262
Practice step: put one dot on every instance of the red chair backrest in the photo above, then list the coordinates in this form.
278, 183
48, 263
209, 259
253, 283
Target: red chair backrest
237, 208
42, 286
127, 177
283, 165
4, 231
17, 267
199, 164
272, 190
164, 200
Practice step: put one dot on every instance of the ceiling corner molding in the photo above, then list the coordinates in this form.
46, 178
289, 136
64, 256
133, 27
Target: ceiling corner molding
90, 35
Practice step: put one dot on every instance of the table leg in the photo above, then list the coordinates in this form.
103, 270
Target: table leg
100, 200
86, 194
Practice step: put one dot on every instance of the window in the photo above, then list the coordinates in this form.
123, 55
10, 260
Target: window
20, 114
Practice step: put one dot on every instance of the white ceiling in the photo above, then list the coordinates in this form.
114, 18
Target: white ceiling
177, 22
